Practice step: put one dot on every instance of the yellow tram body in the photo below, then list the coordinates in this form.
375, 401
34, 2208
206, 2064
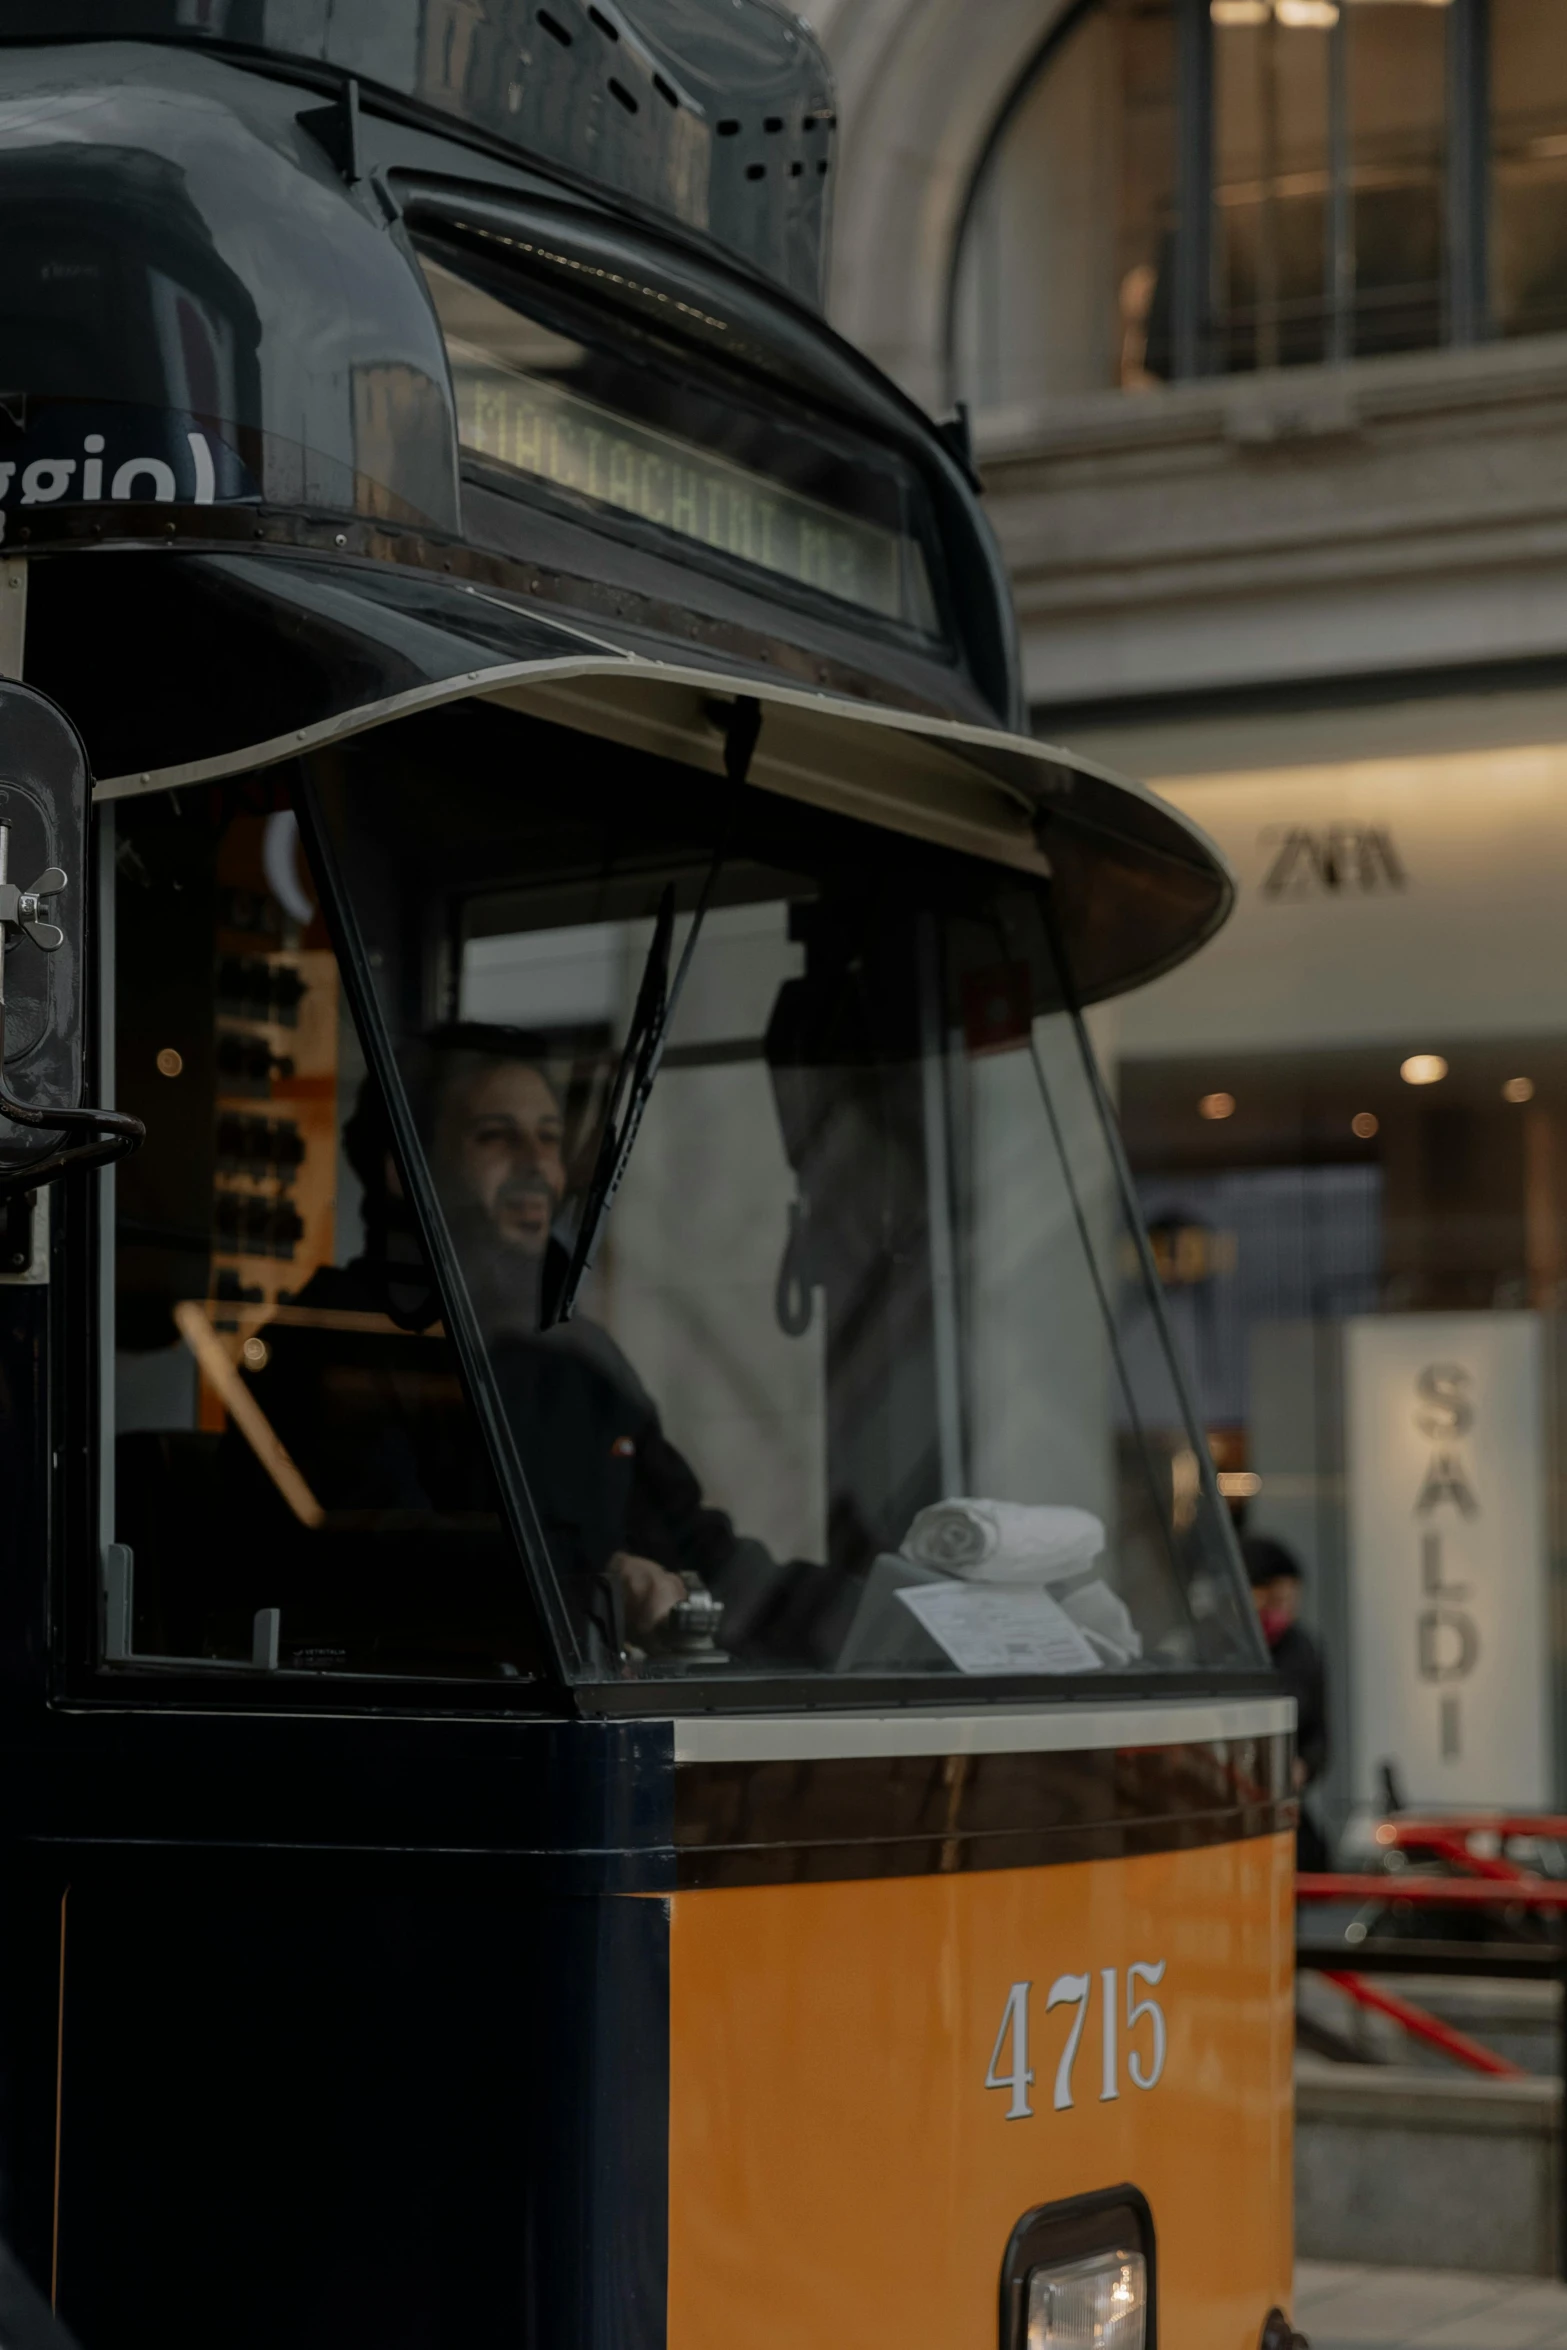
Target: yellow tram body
848, 2149
827, 2039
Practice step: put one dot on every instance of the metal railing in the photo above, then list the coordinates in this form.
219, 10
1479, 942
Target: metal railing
1405, 1902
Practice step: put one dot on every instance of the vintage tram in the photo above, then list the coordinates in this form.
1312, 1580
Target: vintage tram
628, 1714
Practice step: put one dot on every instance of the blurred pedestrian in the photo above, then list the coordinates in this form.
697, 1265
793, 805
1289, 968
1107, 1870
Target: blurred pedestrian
1275, 1576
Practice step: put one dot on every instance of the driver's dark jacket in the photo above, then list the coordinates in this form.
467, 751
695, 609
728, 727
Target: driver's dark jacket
377, 1424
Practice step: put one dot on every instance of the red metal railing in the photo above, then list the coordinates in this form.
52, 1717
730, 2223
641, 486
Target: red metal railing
1420, 2024
1488, 1881
1519, 1891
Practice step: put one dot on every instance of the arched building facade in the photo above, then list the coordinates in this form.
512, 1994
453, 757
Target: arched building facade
1260, 311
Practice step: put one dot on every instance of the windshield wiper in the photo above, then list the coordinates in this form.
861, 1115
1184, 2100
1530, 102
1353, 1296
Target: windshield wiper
658, 999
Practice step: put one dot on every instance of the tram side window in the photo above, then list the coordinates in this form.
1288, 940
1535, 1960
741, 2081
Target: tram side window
297, 1476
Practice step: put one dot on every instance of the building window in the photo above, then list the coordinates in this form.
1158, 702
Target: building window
1528, 139
1209, 187
1329, 180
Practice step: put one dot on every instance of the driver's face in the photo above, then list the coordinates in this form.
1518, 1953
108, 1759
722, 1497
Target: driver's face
498, 1141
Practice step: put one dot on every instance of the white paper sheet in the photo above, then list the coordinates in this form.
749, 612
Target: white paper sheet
989, 1628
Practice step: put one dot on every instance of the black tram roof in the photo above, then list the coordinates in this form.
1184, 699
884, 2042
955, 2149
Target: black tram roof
275, 486
221, 306
717, 115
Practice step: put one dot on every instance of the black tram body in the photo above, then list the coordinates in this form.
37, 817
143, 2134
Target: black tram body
471, 574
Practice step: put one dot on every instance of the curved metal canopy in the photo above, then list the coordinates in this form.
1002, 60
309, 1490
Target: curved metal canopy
213, 665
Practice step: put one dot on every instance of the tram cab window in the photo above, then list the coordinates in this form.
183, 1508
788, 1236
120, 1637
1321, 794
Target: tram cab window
295, 1475
860, 1350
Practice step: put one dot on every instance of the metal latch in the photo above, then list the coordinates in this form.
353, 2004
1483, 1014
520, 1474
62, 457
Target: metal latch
24, 1238
114, 1135
22, 909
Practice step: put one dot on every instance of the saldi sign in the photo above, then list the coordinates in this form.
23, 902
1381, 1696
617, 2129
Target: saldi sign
1445, 1459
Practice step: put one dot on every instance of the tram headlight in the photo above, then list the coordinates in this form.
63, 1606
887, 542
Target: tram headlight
1082, 2274
1100, 2303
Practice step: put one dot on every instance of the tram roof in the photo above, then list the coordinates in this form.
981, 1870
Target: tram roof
716, 115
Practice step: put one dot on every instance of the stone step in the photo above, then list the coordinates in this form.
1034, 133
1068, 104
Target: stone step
1340, 2307
1400, 2166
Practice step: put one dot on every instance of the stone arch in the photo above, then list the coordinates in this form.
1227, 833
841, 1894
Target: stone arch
921, 84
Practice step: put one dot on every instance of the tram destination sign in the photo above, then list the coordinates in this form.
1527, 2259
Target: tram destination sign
558, 438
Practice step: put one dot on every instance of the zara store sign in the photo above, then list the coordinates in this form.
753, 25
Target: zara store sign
1303, 860
1378, 900
1448, 1556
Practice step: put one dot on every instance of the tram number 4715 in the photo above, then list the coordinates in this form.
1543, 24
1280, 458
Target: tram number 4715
1143, 2016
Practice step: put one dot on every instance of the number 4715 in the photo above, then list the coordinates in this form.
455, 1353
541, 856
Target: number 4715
1076, 1991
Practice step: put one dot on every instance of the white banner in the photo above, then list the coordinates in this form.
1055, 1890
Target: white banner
1447, 1556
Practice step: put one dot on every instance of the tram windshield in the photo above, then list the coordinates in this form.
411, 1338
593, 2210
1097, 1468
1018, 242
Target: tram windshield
862, 1375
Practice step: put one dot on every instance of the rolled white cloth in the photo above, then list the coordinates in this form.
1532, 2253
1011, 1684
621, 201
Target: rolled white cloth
1005, 1541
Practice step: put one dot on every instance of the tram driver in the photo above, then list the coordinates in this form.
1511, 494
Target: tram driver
621, 1508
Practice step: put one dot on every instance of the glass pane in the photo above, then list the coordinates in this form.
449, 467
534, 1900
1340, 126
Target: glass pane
1064, 278
1100, 2302
1329, 159
1271, 183
1528, 166
1396, 69
292, 1444
847, 1361
635, 430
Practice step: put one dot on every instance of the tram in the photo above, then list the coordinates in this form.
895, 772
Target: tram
629, 1716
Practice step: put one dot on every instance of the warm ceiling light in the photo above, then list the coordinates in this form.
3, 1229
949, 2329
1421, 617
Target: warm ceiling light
1518, 1089
1239, 11
1239, 1484
1423, 1069
1306, 15
1216, 1105
1365, 1124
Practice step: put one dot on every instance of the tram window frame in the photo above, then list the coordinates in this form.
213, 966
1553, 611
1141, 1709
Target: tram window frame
616, 329
564, 1683
733, 1687
95, 1583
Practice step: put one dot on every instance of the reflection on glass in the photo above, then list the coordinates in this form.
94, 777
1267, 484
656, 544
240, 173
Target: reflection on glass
1271, 188
845, 1390
1397, 131
296, 1469
1529, 167
1328, 181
